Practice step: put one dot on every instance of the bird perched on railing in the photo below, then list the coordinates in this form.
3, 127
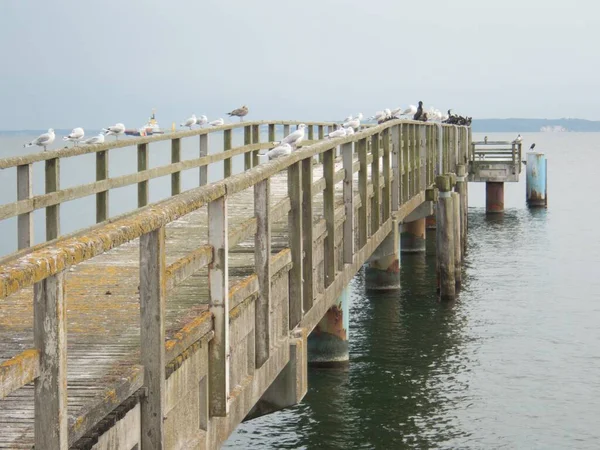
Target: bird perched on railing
75, 136
98, 139
295, 137
353, 123
114, 130
340, 132
419, 112
202, 120
518, 139
216, 123
189, 122
283, 149
454, 119
43, 140
532, 147
239, 112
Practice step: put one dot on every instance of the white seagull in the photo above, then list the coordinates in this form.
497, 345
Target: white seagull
216, 123
410, 111
43, 140
295, 137
114, 130
349, 131
75, 136
98, 139
518, 139
340, 132
280, 151
348, 119
202, 120
190, 122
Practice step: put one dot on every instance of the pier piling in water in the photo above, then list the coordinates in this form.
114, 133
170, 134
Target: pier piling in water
457, 239
445, 238
494, 197
537, 180
383, 267
461, 189
413, 236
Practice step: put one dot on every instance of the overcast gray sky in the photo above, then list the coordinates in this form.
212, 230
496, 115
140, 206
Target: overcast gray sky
74, 63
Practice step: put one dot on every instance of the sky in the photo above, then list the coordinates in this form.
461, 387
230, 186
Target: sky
94, 63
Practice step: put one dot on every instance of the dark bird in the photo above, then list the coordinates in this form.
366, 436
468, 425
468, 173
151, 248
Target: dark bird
419, 112
532, 147
239, 112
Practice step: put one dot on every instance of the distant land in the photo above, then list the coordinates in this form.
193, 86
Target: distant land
534, 125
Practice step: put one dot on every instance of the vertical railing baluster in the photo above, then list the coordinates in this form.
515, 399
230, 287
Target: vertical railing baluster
142, 154
52, 185
218, 279
375, 200
385, 138
24, 192
363, 178
271, 132
50, 339
262, 262
307, 233
321, 132
226, 147
329, 214
247, 141
396, 195
348, 193
175, 158
405, 163
101, 197
423, 157
295, 233
203, 152
255, 140
152, 336
286, 130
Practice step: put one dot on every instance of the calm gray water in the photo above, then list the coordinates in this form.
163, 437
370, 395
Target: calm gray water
515, 363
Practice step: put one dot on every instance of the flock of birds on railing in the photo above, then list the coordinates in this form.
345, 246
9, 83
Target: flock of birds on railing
284, 147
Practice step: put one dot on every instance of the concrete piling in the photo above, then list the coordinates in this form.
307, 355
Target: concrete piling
413, 236
383, 267
537, 181
328, 342
494, 197
445, 238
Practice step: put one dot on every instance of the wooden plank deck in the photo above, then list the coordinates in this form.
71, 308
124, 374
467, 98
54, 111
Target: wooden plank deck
103, 310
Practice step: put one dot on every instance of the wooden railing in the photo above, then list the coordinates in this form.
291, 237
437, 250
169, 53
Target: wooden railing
396, 162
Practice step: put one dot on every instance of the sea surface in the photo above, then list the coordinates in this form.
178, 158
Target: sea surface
514, 363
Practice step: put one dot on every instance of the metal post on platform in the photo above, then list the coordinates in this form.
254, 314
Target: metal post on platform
537, 180
445, 238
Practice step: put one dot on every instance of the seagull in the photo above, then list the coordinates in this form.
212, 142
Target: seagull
410, 111
239, 112
380, 115
216, 123
397, 112
349, 118
419, 112
354, 123
202, 120
280, 151
295, 137
518, 139
190, 122
349, 131
75, 136
98, 139
43, 140
359, 116
530, 148
340, 132
114, 130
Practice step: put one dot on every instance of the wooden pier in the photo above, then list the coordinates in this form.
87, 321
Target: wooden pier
168, 325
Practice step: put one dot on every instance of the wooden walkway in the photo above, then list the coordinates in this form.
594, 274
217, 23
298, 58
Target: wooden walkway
103, 292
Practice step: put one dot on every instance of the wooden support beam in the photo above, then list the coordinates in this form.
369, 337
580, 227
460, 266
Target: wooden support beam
295, 235
286, 130
24, 192
102, 197
396, 197
255, 140
18, 371
203, 152
175, 158
445, 239
142, 155
311, 132
271, 132
247, 141
375, 200
363, 179
152, 336
262, 263
329, 215
218, 279
307, 233
321, 132
386, 197
348, 194
52, 181
50, 338
226, 147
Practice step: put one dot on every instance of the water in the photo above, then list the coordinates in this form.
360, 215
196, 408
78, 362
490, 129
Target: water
515, 363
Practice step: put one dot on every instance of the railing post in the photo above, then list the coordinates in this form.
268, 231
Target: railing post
307, 233
247, 141
203, 152
348, 193
375, 200
329, 214
101, 197
262, 262
255, 140
295, 234
142, 154
271, 132
321, 132
423, 157
405, 163
396, 170
24, 192
311, 132
52, 185
152, 336
387, 200
175, 158
50, 338
226, 147
363, 211
218, 279
286, 130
